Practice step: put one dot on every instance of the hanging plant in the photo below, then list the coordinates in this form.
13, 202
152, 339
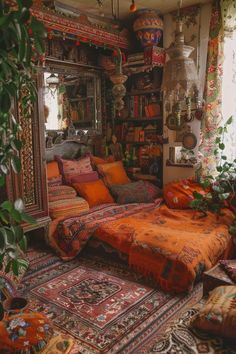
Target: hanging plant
21, 48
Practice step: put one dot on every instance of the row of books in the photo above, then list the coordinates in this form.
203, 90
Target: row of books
140, 106
131, 133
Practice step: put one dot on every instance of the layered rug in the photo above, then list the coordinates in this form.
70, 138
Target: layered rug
182, 338
98, 300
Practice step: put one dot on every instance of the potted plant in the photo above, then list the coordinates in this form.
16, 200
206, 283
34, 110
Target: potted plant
220, 189
21, 47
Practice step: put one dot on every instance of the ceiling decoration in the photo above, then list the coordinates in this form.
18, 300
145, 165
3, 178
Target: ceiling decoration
104, 7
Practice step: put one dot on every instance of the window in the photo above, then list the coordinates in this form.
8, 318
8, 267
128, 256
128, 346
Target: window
229, 94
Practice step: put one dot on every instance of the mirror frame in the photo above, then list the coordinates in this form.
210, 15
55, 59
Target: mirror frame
75, 69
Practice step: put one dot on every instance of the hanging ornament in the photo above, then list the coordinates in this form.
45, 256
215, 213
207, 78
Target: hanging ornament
133, 7
77, 43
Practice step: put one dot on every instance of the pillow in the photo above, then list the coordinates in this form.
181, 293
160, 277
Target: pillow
72, 168
26, 332
55, 181
153, 191
95, 160
113, 173
94, 192
67, 207
230, 268
52, 170
84, 177
218, 315
135, 192
179, 194
61, 192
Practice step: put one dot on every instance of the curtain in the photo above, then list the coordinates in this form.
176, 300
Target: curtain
229, 95
228, 13
212, 92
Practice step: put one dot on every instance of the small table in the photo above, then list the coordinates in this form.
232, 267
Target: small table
214, 277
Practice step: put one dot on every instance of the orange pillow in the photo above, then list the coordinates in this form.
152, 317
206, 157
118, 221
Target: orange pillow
95, 193
178, 195
52, 169
95, 160
113, 173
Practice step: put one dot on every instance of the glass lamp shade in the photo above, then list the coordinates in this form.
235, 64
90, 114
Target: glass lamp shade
180, 73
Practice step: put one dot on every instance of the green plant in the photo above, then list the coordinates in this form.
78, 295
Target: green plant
21, 45
220, 190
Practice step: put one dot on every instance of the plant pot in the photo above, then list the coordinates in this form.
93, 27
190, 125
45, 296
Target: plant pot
148, 27
15, 305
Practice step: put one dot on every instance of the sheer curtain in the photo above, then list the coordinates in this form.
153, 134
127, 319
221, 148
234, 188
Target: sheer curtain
229, 94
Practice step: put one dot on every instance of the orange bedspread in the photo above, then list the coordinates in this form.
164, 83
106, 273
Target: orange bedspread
168, 244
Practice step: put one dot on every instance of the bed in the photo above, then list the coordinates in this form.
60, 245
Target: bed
170, 245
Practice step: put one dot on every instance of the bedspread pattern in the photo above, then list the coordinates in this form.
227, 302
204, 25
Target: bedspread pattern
67, 236
170, 245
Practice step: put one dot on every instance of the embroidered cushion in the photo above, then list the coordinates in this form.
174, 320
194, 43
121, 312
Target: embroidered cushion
95, 193
153, 191
178, 195
27, 332
67, 207
84, 177
113, 173
230, 268
135, 192
73, 168
218, 315
61, 192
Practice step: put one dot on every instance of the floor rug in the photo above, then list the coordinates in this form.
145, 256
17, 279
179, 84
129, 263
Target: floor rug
102, 303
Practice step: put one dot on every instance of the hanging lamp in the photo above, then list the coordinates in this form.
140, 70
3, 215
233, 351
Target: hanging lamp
180, 79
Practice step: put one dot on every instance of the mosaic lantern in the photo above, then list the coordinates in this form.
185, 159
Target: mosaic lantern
148, 27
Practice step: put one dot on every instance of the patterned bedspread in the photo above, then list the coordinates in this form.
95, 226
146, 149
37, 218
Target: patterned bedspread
170, 245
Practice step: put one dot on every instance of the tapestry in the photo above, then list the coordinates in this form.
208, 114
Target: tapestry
100, 302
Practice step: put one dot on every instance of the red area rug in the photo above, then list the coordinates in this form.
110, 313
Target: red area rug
106, 306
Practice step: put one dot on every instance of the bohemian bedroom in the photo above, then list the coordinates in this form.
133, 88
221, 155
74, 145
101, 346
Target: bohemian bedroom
117, 176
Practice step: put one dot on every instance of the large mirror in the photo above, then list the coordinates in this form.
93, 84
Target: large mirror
72, 101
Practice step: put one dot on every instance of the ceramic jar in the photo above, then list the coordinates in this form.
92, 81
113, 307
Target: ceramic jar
148, 27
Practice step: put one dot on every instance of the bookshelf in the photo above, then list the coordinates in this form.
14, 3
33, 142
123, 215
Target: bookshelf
139, 127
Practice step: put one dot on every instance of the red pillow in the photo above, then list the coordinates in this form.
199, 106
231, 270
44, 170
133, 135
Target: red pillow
178, 195
84, 177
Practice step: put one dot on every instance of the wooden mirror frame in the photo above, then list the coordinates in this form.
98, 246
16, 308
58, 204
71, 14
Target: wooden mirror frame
75, 69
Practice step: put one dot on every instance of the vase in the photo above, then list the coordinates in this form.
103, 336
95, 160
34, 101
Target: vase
148, 27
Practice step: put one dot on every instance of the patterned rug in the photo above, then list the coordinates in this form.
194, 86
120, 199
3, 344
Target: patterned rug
181, 338
102, 303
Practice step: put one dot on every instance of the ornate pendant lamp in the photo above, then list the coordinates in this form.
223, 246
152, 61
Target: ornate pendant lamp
118, 79
180, 79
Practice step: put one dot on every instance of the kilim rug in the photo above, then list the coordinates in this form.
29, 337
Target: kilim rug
102, 303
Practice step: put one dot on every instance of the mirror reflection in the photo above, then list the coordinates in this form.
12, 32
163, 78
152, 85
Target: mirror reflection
72, 100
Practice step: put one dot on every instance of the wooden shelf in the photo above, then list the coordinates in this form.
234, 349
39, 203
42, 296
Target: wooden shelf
143, 92
165, 141
142, 119
50, 60
182, 165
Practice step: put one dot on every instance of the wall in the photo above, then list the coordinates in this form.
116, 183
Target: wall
196, 30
